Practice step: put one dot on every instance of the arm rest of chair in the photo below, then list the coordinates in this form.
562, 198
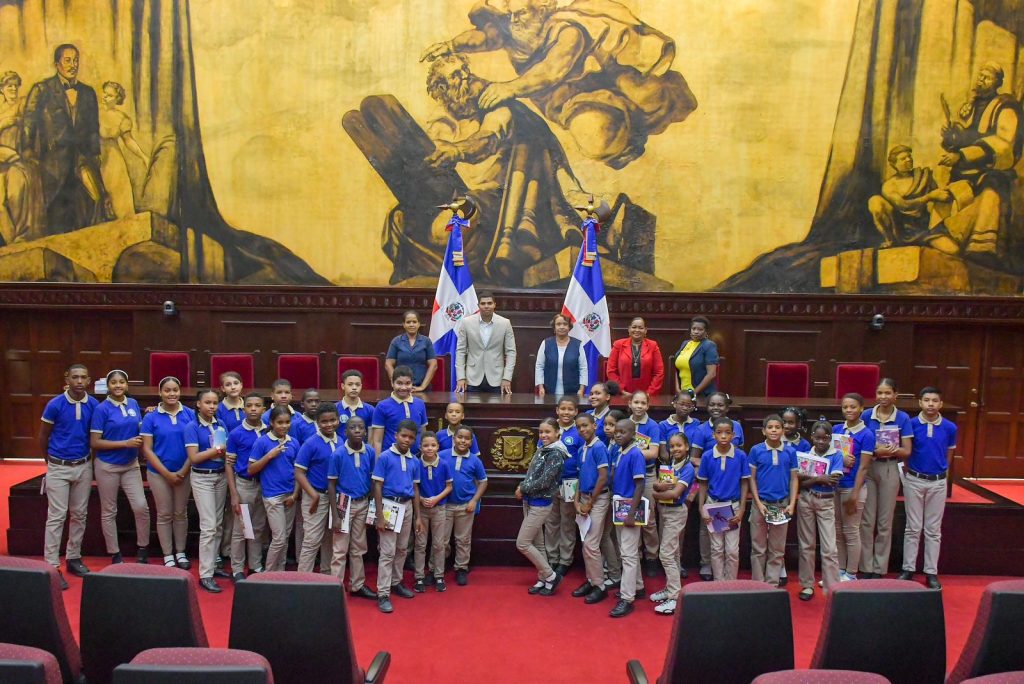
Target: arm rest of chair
636, 672
378, 668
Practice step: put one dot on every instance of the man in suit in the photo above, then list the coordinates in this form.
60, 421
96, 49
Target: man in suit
61, 133
485, 355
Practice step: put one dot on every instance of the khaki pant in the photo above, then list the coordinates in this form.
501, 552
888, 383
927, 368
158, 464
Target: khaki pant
817, 518
560, 532
227, 524
110, 478
530, 531
767, 548
348, 548
848, 530
650, 530
725, 551
924, 502
673, 525
460, 523
610, 546
171, 512
248, 493
209, 490
593, 561
882, 482
436, 521
392, 550
67, 494
629, 547
299, 531
315, 535
280, 520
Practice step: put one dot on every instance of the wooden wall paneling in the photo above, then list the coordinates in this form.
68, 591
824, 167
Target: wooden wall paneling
777, 342
999, 450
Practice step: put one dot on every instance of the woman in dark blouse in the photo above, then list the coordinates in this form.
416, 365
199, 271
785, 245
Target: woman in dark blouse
413, 350
696, 361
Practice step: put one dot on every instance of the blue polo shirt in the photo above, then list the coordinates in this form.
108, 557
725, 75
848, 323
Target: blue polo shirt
315, 458
705, 437
390, 412
117, 422
684, 472
898, 419
352, 469
835, 465
364, 411
278, 476
71, 421
445, 439
240, 441
200, 435
723, 473
670, 427
306, 426
397, 472
433, 478
800, 445
863, 443
466, 471
570, 437
932, 442
295, 430
599, 421
229, 417
168, 433
592, 458
772, 470
629, 467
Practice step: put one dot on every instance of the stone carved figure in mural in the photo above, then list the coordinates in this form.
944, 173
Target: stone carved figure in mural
61, 133
903, 212
115, 140
21, 193
591, 67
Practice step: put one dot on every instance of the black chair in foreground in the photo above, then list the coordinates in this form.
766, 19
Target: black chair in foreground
27, 665
994, 644
820, 677
998, 678
901, 628
195, 666
314, 643
729, 609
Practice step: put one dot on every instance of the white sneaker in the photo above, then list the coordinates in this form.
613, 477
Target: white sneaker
847, 577
660, 596
666, 607
821, 583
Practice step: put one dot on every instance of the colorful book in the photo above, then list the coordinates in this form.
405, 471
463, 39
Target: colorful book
394, 514
720, 514
643, 441
621, 507
345, 504
568, 489
775, 514
809, 464
888, 436
667, 475
844, 445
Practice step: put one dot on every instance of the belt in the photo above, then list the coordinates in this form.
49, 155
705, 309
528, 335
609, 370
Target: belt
399, 499
821, 495
926, 476
321, 491
241, 475
207, 471
362, 498
776, 501
65, 462
728, 501
887, 458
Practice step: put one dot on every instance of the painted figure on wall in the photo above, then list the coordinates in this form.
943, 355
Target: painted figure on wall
22, 217
903, 212
115, 139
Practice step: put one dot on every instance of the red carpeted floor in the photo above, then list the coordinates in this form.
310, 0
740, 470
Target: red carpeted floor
1009, 489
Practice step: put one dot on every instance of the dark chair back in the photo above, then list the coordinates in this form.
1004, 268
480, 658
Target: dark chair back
994, 642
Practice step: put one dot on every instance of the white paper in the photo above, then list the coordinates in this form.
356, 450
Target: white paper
583, 522
42, 486
345, 503
392, 511
901, 467
247, 530
568, 489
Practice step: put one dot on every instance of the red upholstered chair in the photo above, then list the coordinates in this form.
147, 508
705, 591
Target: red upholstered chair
33, 614
861, 378
1000, 678
174, 364
821, 677
787, 380
441, 381
115, 624
199, 665
27, 665
315, 642
728, 607
302, 370
994, 643
906, 624
240, 363
369, 366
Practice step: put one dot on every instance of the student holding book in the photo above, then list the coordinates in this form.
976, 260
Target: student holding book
648, 439
245, 490
774, 487
609, 539
670, 492
536, 491
894, 437
469, 482
312, 464
725, 474
816, 514
793, 420
560, 529
924, 485
592, 500
858, 444
628, 475
435, 486
348, 492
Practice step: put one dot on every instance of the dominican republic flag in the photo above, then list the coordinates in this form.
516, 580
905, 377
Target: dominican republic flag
456, 296
586, 305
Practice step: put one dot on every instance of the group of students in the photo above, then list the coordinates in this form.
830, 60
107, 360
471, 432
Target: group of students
326, 472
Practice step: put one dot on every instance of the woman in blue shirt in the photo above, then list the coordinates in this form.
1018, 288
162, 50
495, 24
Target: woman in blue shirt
413, 350
696, 361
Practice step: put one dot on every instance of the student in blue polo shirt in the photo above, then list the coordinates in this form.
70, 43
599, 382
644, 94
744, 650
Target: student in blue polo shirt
209, 483
231, 411
273, 459
560, 530
882, 480
773, 482
435, 486
648, 437
593, 500
682, 420
163, 445
600, 396
469, 482
924, 485
244, 489
628, 475
115, 440
816, 514
725, 472
349, 475
396, 477
64, 438
454, 414
672, 514
793, 420
401, 405
850, 492
281, 395
610, 540
311, 466
306, 420
350, 404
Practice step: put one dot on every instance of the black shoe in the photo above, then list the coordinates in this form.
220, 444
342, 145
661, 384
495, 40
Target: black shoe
420, 586
560, 569
707, 576
535, 588
142, 557
384, 604
608, 586
221, 572
441, 587
683, 573
932, 581
116, 558
462, 577
184, 563
238, 577
806, 594
784, 580
77, 567
621, 609
210, 585
63, 582
582, 590
364, 592
905, 575
550, 587
596, 595
401, 590
639, 595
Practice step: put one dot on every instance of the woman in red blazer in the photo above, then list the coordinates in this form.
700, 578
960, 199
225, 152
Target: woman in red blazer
635, 362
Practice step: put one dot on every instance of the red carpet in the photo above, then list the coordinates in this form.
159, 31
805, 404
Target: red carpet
1010, 489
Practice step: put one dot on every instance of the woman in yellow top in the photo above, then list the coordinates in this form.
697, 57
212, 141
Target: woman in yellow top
696, 361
